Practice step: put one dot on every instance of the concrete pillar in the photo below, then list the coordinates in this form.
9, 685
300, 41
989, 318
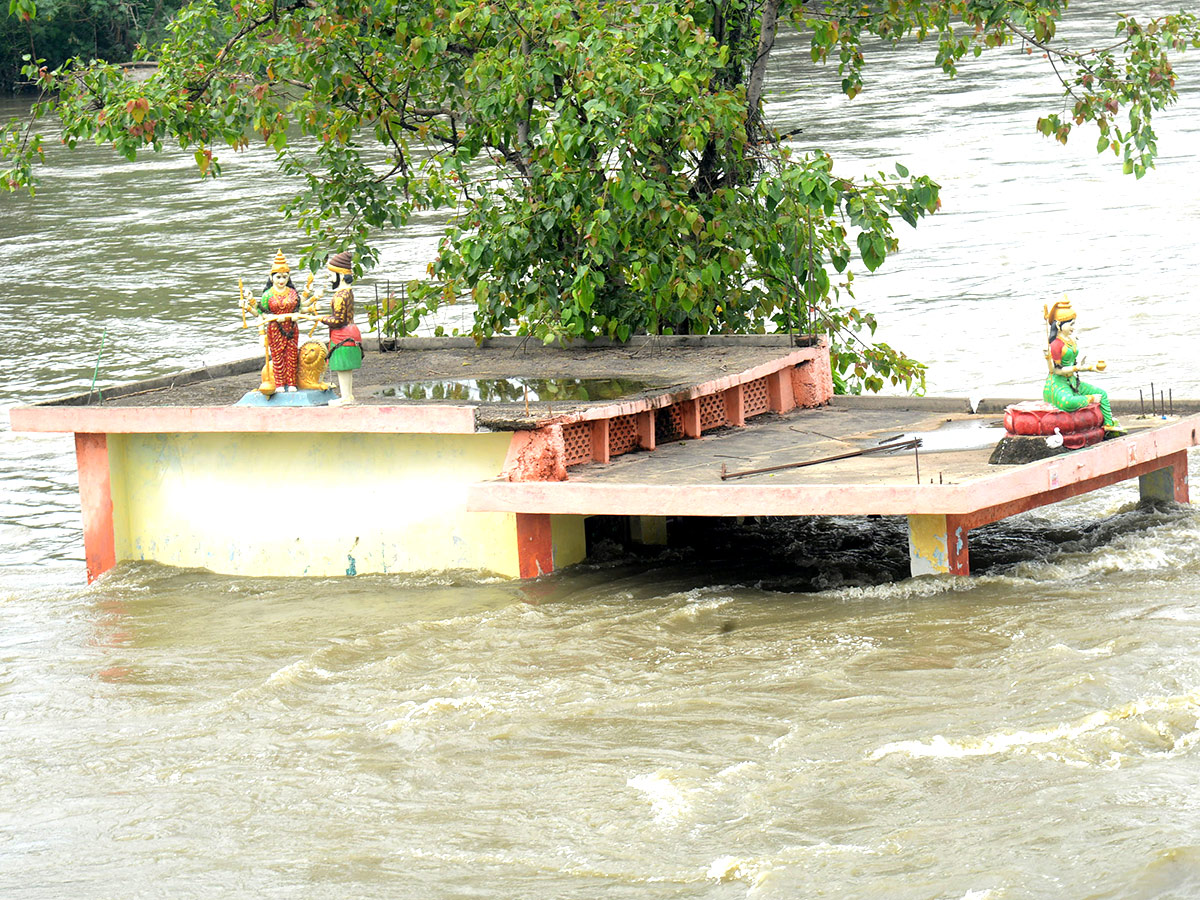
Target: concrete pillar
779, 391
689, 413
95, 499
937, 545
545, 542
645, 429
1168, 484
735, 406
535, 545
600, 441
648, 530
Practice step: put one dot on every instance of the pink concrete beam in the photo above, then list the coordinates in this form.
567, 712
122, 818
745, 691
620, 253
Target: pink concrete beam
591, 498
815, 359
996, 512
1103, 464
95, 499
208, 419
981, 500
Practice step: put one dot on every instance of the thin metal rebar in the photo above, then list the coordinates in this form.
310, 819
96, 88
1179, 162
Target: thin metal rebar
903, 445
96, 371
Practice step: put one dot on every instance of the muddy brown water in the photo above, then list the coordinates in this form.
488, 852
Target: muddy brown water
765, 710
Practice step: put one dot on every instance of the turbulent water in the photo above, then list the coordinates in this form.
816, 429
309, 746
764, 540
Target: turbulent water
771, 710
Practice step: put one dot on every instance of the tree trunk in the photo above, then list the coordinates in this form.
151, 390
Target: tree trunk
769, 24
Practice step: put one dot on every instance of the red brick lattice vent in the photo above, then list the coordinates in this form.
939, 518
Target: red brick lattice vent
755, 398
712, 412
577, 443
622, 435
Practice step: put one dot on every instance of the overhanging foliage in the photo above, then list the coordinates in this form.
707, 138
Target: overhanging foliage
607, 164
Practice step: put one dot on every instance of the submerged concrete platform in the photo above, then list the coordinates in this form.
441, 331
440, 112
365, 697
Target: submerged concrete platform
945, 488
171, 470
491, 458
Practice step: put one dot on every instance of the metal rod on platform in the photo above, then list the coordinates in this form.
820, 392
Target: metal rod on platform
902, 445
1153, 410
1171, 400
1142, 402
917, 458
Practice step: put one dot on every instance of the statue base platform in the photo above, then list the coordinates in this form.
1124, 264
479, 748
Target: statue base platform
1039, 417
1037, 430
280, 399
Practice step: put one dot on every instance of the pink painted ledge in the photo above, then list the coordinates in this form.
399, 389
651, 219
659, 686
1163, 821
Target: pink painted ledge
716, 386
1098, 465
189, 419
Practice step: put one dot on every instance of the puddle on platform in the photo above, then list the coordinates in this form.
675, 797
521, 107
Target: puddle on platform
964, 434
516, 390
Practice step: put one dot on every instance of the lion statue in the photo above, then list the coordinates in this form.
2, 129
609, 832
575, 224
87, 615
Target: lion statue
308, 375
312, 367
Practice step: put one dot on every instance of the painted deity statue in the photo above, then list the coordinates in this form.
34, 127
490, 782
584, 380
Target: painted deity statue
345, 340
1063, 388
281, 299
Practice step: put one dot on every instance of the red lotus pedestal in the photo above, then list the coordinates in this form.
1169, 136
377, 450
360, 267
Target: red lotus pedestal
1080, 428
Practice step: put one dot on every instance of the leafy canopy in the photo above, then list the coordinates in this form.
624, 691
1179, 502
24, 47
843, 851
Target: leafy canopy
607, 164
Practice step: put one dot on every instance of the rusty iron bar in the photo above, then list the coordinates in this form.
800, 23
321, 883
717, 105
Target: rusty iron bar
912, 444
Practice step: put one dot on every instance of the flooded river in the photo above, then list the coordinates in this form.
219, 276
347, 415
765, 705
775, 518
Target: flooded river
764, 711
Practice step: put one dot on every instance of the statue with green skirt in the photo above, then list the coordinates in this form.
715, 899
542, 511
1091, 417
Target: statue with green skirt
345, 340
1064, 389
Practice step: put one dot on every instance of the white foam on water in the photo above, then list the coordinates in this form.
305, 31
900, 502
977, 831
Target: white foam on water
436, 708
1000, 742
668, 802
757, 871
729, 868
1105, 649
296, 673
698, 605
908, 589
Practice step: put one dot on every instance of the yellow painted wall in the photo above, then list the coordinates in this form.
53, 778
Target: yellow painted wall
308, 504
570, 542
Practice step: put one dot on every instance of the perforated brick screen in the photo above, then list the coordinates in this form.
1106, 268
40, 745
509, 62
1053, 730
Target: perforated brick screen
755, 400
577, 442
622, 435
712, 412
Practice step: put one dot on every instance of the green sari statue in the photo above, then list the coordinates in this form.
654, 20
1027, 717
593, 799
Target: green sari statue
1063, 388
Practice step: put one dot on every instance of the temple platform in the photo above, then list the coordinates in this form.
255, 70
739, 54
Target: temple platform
492, 457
